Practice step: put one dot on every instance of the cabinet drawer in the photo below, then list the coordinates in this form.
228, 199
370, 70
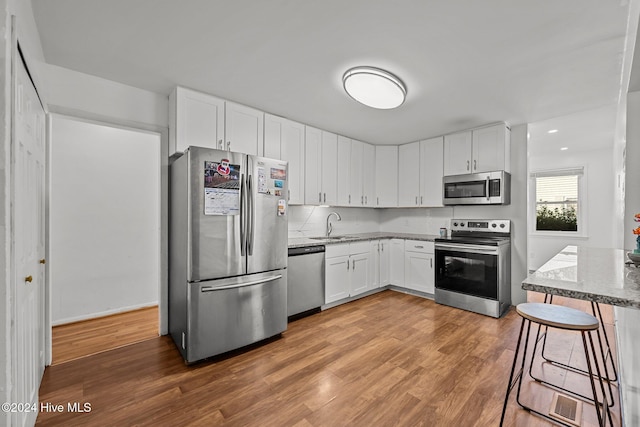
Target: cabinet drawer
336, 250
359, 247
418, 246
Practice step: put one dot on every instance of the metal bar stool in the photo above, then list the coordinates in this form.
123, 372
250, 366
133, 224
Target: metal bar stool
605, 354
559, 317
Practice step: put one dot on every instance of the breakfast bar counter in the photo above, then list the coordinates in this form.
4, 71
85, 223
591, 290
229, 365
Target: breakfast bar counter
601, 275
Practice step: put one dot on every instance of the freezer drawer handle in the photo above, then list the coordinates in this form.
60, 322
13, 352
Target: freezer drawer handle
240, 285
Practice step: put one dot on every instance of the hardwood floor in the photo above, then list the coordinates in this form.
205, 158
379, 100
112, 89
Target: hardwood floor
388, 359
80, 339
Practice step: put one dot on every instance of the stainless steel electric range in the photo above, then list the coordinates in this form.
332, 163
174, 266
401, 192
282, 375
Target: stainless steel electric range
473, 266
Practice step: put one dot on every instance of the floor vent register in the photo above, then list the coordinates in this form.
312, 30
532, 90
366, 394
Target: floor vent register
566, 409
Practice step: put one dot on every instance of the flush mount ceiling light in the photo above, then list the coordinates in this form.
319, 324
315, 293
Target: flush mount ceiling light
374, 87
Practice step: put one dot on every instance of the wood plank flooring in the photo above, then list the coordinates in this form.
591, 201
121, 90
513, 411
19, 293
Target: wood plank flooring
389, 359
80, 339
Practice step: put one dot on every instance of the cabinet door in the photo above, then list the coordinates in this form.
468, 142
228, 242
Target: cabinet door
490, 145
368, 174
343, 175
374, 265
312, 166
356, 198
329, 181
196, 119
418, 271
360, 273
292, 151
386, 171
244, 129
396, 262
383, 262
273, 136
336, 273
409, 175
431, 171
457, 153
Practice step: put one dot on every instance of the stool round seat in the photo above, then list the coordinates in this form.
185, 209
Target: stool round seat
557, 316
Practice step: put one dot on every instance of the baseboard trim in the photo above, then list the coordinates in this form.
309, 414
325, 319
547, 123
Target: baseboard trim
107, 313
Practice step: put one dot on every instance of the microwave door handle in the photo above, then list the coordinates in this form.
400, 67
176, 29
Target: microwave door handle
487, 188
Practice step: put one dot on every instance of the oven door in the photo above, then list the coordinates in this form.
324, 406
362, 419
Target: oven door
467, 269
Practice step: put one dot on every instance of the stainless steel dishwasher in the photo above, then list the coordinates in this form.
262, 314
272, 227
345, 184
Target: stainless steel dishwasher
305, 279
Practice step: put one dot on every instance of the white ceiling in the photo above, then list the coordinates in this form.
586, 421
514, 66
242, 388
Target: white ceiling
465, 62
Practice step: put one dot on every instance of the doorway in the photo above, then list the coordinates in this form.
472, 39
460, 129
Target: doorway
104, 216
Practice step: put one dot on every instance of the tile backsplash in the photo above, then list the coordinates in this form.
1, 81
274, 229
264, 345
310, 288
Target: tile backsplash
305, 221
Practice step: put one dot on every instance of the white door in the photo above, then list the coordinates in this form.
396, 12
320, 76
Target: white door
292, 150
386, 176
489, 149
368, 174
418, 268
356, 198
431, 163
457, 153
374, 265
312, 166
360, 273
243, 129
199, 120
343, 171
383, 266
396, 262
329, 168
28, 241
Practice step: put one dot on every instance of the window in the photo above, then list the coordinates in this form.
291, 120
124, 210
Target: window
558, 200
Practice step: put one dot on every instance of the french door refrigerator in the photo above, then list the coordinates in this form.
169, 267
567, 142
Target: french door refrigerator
227, 251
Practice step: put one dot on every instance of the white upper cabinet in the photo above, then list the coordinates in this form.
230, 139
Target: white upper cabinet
312, 166
480, 150
457, 153
368, 175
386, 172
431, 172
409, 175
329, 169
284, 140
491, 148
356, 197
243, 129
343, 165
195, 119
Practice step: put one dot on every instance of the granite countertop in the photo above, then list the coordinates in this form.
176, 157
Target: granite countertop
300, 242
593, 274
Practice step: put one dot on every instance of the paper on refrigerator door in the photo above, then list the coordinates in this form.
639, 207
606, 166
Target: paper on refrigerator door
221, 188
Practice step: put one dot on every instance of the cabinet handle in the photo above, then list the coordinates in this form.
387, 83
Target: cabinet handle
467, 164
43, 261
378, 247
353, 265
475, 166
349, 198
347, 265
419, 247
362, 200
416, 200
320, 197
220, 144
377, 200
366, 201
325, 197
421, 202
28, 279
431, 262
382, 244
288, 194
228, 145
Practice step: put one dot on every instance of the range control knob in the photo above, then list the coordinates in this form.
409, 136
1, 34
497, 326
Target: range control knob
494, 225
502, 225
462, 224
455, 224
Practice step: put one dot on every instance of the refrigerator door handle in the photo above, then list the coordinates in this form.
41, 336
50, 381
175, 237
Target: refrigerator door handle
240, 285
251, 217
243, 214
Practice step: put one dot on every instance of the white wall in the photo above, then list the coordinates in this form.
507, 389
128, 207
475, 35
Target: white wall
415, 220
105, 219
78, 94
600, 200
632, 169
305, 221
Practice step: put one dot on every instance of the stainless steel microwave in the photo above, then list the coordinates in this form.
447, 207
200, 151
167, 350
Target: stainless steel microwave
486, 188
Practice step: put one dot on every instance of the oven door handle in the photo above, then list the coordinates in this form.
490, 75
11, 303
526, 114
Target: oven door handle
474, 249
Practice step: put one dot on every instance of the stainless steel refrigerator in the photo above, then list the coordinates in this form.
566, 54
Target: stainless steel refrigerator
227, 251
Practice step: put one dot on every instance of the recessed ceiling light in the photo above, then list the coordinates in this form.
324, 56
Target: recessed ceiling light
552, 131
374, 87
564, 148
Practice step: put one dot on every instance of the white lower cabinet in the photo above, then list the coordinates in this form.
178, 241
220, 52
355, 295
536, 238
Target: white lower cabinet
418, 266
347, 270
380, 257
396, 262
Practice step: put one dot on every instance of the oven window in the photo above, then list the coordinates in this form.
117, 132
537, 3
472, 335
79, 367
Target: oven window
467, 273
459, 190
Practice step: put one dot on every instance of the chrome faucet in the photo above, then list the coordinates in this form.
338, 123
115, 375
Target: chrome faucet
329, 226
